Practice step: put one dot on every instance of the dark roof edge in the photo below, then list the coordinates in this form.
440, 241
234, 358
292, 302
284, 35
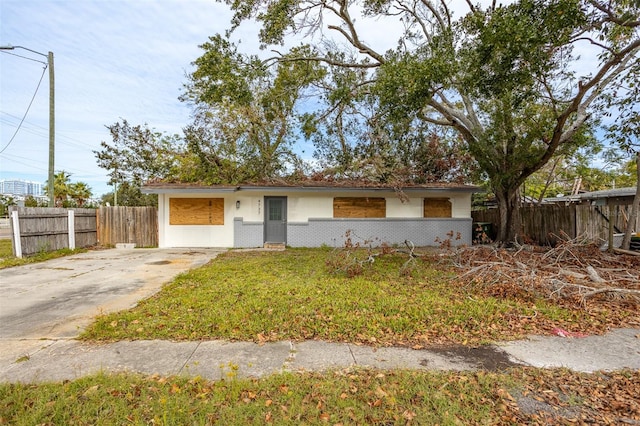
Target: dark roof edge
192, 189
167, 189
355, 189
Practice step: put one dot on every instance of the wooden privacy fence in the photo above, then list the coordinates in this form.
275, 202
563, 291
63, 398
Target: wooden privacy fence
137, 225
546, 223
43, 229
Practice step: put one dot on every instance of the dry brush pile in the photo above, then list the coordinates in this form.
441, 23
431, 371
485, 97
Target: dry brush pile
572, 274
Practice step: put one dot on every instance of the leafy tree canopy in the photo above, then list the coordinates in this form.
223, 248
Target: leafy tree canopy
6, 201
130, 195
507, 79
624, 133
138, 154
245, 113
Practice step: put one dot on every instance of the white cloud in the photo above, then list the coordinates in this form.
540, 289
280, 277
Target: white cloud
112, 59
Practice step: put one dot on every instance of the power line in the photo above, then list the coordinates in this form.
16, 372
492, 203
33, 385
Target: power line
26, 112
12, 158
71, 141
23, 57
26, 128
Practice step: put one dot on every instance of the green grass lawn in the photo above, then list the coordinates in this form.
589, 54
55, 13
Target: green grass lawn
6, 249
267, 296
357, 397
345, 397
7, 259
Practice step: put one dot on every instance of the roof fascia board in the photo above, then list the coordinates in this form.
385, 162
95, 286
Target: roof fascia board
197, 190
298, 189
346, 189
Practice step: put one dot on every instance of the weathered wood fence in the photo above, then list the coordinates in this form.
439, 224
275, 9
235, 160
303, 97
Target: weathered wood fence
545, 224
42, 229
137, 225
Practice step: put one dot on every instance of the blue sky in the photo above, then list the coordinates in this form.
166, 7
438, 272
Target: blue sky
112, 59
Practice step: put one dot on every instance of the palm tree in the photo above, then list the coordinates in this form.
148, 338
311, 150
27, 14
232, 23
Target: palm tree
80, 192
61, 182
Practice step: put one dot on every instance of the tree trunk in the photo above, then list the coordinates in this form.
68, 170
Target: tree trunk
510, 226
633, 217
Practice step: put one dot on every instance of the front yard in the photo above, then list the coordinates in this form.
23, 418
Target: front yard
296, 294
303, 294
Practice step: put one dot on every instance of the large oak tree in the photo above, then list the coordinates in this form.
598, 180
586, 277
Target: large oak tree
509, 79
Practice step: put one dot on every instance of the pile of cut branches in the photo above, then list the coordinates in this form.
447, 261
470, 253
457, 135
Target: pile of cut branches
358, 253
571, 272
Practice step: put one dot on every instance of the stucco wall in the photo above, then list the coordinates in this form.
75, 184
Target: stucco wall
195, 235
310, 220
301, 207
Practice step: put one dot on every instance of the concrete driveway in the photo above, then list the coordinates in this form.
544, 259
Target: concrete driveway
58, 298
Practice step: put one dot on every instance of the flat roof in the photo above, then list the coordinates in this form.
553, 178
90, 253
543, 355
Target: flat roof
182, 188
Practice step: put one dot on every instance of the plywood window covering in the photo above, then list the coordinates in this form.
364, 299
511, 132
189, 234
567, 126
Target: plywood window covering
437, 207
359, 207
196, 211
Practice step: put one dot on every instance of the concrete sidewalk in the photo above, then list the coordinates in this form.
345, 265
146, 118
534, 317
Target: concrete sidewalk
70, 359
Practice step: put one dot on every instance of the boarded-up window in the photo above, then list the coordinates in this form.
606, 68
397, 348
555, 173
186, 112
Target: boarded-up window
437, 207
196, 211
359, 207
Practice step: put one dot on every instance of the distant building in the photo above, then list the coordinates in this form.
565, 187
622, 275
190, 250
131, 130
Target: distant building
17, 187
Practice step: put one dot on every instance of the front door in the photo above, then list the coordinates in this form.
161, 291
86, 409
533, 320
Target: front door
275, 220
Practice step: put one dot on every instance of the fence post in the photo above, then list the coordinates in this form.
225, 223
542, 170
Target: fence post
17, 245
72, 229
612, 218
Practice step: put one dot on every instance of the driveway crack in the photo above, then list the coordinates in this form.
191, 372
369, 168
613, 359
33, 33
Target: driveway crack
353, 357
188, 359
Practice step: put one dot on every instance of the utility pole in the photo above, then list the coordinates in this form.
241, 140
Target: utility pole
52, 117
52, 128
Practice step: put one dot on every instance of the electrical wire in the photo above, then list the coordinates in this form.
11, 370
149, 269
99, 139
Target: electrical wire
25, 113
12, 158
59, 136
23, 57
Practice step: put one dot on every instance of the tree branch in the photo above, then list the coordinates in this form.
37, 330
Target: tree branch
587, 93
323, 59
612, 17
352, 36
